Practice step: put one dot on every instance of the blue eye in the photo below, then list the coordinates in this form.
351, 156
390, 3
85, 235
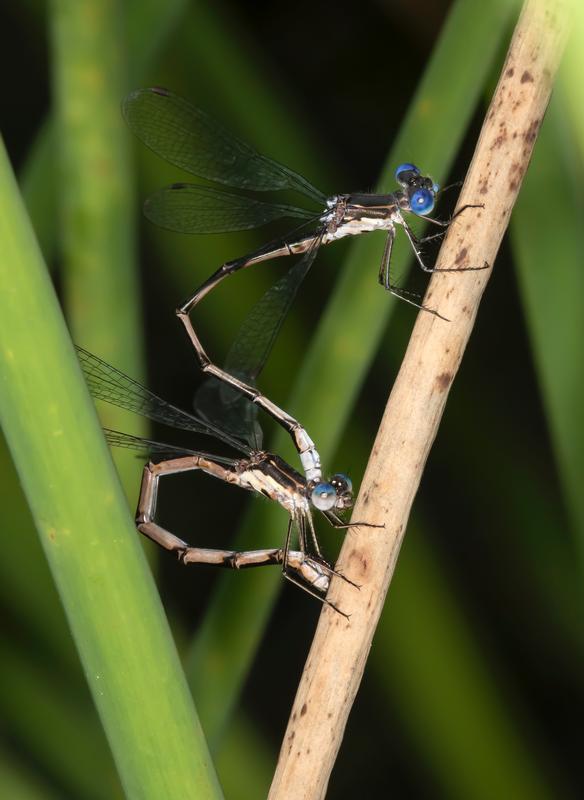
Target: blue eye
422, 201
405, 168
342, 483
324, 496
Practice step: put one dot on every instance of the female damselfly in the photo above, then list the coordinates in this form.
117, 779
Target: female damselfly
255, 470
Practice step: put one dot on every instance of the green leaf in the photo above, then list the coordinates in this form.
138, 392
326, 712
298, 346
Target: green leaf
548, 242
105, 586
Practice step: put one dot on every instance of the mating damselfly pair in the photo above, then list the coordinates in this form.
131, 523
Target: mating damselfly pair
188, 138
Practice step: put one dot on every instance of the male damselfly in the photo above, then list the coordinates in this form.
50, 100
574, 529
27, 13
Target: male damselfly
188, 138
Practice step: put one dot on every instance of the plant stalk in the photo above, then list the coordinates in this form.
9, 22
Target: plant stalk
337, 658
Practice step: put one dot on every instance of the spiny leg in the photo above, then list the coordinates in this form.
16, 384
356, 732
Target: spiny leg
288, 563
302, 527
322, 598
383, 276
445, 223
319, 585
415, 242
337, 522
385, 279
455, 185
316, 565
314, 578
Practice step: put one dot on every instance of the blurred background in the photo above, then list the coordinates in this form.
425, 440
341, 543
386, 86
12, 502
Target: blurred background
474, 683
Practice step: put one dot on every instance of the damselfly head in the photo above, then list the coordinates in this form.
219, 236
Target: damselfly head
419, 189
344, 489
406, 174
336, 493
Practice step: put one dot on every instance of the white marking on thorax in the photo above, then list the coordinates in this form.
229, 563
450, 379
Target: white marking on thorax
257, 481
354, 227
363, 224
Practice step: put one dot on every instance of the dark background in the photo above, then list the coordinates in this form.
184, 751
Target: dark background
490, 529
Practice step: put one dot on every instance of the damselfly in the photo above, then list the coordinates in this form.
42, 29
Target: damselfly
257, 471
188, 138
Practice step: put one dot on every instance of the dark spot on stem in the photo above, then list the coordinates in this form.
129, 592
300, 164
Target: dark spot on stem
498, 141
531, 133
461, 256
444, 380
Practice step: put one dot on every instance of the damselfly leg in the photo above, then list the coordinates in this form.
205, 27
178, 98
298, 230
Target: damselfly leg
416, 241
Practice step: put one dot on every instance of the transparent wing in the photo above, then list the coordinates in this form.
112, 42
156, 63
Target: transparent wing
113, 386
221, 405
188, 208
150, 447
188, 138
257, 335
217, 401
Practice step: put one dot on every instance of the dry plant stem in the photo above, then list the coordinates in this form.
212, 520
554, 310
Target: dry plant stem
337, 658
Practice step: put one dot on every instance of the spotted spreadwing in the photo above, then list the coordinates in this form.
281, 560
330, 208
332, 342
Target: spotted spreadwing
190, 139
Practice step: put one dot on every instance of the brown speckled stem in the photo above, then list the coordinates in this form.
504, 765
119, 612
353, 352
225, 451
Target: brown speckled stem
337, 658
